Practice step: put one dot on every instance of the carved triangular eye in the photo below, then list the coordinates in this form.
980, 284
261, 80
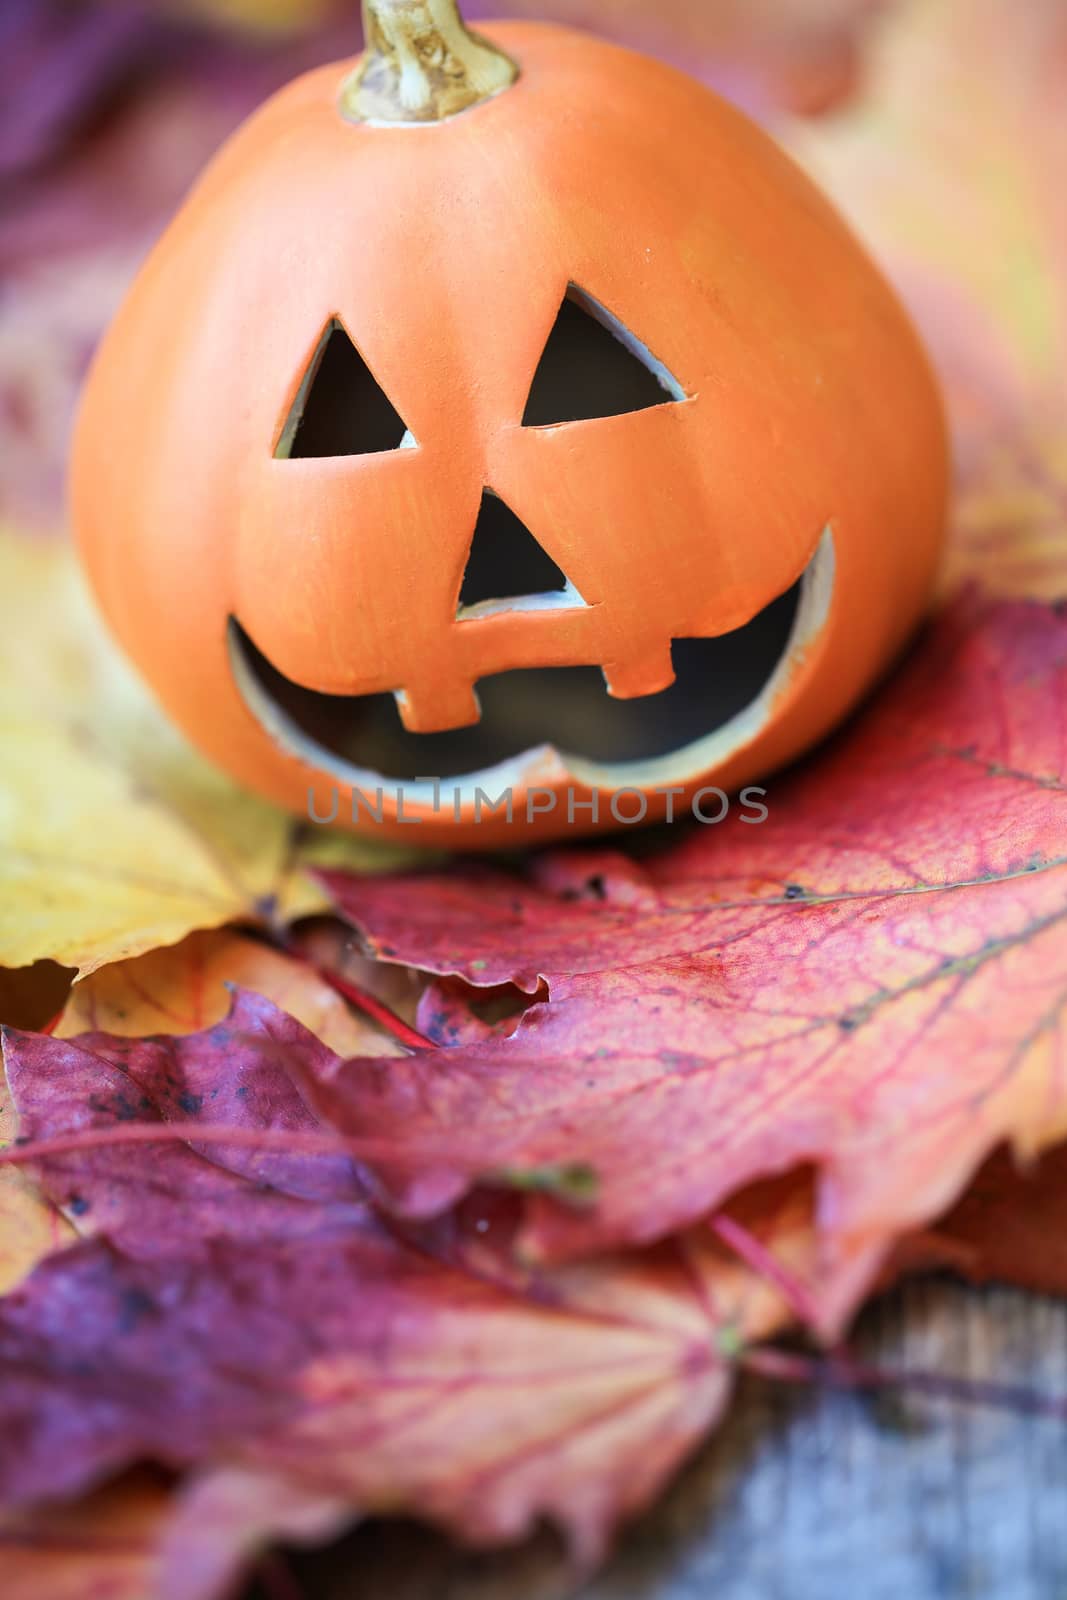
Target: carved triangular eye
508, 570
593, 366
341, 409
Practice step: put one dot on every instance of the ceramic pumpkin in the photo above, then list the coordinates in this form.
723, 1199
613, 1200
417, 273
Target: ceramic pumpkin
507, 410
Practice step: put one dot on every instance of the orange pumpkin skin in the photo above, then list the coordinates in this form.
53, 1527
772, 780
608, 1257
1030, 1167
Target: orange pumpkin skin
446, 250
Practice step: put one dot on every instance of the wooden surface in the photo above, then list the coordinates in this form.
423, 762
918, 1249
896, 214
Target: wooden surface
812, 1495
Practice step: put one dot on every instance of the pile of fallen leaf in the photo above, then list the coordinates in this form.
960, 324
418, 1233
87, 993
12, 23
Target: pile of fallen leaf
340, 1185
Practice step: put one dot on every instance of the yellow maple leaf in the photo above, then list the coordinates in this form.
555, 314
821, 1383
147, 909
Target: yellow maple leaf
182, 989
115, 836
30, 1226
952, 166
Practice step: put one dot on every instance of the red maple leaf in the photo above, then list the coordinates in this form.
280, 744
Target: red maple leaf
872, 982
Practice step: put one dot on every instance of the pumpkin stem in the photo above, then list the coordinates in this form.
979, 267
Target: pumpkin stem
421, 64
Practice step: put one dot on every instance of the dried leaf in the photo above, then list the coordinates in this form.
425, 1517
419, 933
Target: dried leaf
186, 988
264, 16
224, 1322
872, 982
332, 947
229, 1075
115, 838
222, 1518
105, 1547
30, 1227
142, 1538
953, 167
1011, 1224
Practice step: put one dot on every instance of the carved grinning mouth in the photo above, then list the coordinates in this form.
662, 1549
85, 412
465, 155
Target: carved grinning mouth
725, 692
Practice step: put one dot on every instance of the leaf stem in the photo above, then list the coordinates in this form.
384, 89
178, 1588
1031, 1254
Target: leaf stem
360, 998
765, 1264
24, 1153
843, 1372
372, 1007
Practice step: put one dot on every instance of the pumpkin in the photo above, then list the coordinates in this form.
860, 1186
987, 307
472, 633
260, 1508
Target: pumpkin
508, 411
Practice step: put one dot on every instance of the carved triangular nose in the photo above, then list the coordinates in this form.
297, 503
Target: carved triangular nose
508, 570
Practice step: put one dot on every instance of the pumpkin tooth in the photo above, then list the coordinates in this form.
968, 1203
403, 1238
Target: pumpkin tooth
641, 675
438, 707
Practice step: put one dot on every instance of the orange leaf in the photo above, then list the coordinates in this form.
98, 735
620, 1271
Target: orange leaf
1011, 1224
102, 1548
183, 989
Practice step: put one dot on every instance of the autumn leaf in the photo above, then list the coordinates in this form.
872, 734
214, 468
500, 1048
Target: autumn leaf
239, 1310
490, 1412
265, 16
102, 1548
872, 982
229, 1075
221, 1520
333, 949
1011, 1224
186, 988
115, 838
953, 165
30, 1227
145, 1538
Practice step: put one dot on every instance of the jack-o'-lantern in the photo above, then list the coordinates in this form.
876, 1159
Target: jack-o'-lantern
507, 410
